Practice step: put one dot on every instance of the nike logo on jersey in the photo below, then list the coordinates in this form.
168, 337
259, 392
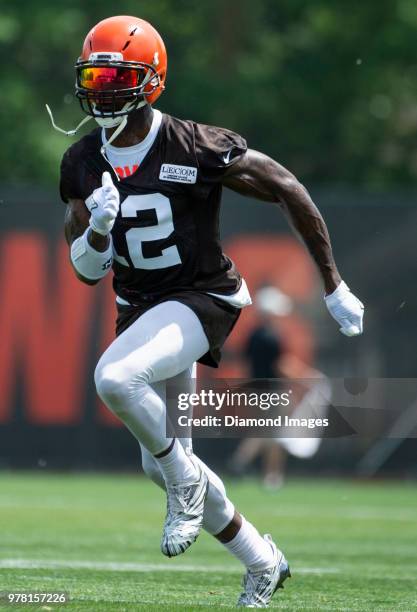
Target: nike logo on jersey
178, 174
226, 158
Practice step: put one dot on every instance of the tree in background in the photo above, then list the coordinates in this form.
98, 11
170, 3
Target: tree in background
327, 88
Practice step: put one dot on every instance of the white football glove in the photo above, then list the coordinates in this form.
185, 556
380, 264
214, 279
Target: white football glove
346, 309
103, 205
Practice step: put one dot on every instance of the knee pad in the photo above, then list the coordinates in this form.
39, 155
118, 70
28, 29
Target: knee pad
111, 386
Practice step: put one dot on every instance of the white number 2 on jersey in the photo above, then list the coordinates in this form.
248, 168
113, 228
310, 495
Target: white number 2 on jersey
136, 236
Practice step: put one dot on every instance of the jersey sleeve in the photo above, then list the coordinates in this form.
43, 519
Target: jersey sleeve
69, 187
216, 149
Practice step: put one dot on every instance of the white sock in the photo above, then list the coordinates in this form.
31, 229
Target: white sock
250, 548
176, 466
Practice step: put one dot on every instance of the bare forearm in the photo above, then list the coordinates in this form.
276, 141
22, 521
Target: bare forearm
97, 241
259, 176
307, 221
76, 222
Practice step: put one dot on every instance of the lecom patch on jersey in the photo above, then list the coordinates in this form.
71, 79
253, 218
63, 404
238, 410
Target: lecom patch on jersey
178, 174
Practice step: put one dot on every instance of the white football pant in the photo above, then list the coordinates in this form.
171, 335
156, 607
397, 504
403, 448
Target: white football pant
163, 343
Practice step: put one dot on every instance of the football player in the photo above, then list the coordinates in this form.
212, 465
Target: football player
143, 194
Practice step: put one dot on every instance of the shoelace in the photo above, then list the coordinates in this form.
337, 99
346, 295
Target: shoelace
179, 499
256, 581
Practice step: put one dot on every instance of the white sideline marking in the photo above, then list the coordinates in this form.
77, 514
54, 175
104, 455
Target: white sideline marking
358, 513
139, 567
355, 513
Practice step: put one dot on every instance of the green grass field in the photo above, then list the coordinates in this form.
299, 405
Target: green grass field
350, 546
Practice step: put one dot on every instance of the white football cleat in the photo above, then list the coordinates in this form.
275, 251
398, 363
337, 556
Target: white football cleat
259, 587
184, 518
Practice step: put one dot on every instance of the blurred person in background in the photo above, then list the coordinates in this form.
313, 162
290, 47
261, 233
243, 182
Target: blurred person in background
268, 357
143, 194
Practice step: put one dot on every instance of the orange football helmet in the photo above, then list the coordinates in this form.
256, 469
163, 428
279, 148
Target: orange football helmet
122, 67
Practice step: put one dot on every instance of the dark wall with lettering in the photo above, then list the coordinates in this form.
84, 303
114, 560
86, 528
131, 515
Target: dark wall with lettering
53, 329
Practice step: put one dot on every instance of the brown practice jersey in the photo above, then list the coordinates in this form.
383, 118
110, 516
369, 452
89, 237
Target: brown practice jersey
166, 235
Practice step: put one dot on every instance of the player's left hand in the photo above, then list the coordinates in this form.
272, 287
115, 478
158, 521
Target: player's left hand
346, 309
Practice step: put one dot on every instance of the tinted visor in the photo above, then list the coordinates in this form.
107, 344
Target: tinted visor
107, 78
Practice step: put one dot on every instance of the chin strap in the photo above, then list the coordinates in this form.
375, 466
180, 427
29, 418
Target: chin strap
115, 134
67, 132
118, 131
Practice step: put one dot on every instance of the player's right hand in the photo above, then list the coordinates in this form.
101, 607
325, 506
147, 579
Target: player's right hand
103, 205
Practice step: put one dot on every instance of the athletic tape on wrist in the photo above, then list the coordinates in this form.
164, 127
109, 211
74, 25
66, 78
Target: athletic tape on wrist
87, 261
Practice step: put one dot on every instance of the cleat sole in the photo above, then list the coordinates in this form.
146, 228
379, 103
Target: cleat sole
285, 575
